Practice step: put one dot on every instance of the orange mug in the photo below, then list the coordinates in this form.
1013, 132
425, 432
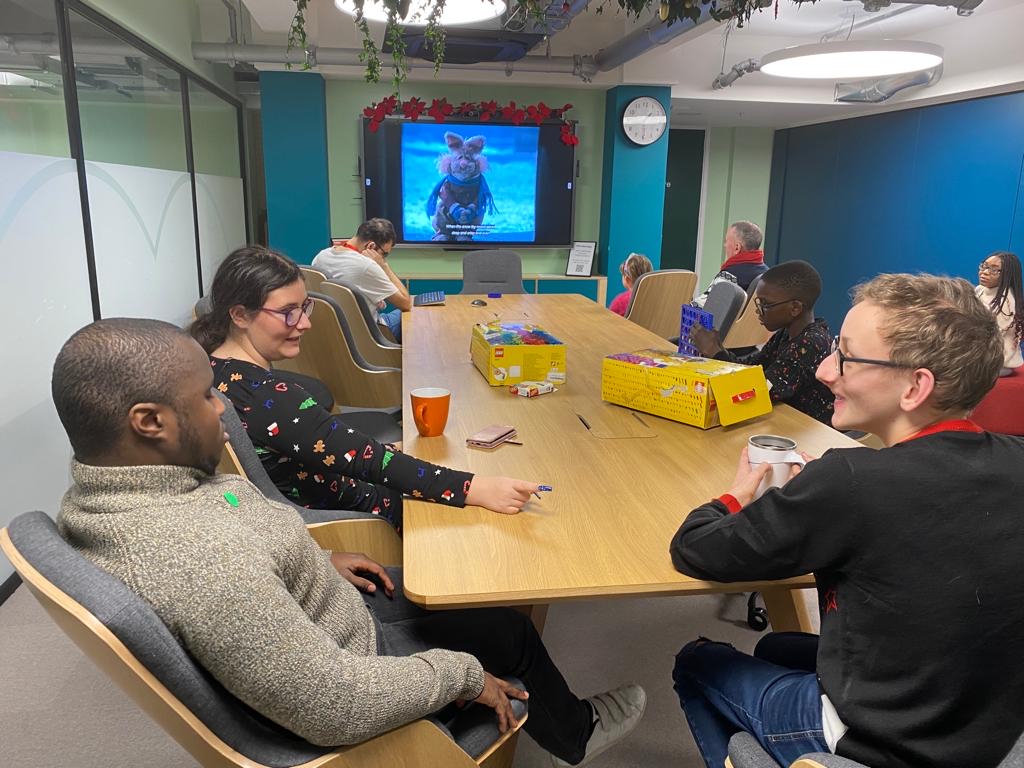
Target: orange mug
430, 409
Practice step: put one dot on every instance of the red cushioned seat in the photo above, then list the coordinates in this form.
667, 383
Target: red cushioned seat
1002, 410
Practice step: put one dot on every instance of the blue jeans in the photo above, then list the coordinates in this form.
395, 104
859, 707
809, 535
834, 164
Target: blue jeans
773, 695
393, 320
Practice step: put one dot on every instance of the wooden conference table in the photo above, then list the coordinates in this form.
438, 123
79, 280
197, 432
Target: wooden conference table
621, 486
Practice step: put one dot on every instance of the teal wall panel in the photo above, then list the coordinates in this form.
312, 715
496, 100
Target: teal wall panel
294, 116
633, 185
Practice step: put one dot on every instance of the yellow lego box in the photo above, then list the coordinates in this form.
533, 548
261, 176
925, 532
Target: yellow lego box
693, 390
508, 353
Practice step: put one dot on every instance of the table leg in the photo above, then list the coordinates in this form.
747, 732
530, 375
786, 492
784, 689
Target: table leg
537, 613
786, 610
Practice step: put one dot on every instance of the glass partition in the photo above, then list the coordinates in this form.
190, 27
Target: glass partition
220, 193
42, 257
140, 191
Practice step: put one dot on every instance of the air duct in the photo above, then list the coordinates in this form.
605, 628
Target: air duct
725, 79
877, 91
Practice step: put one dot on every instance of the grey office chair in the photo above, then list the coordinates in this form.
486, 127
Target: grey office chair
745, 752
495, 271
724, 302
202, 307
124, 637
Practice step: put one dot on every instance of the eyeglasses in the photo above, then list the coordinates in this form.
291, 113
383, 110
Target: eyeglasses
843, 359
292, 316
983, 267
761, 307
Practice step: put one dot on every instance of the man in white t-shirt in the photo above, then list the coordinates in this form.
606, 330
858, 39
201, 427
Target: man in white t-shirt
361, 261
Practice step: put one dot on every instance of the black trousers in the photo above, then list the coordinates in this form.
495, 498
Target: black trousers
506, 643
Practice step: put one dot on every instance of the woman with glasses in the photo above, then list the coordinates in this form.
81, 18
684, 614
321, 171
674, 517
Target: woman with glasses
259, 313
999, 278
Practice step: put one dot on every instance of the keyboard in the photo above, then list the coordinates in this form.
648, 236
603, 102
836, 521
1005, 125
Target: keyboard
428, 299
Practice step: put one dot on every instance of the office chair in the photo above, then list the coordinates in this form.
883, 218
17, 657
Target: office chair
724, 302
366, 331
495, 271
329, 353
657, 299
124, 637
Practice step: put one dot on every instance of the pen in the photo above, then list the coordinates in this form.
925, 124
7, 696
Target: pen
541, 488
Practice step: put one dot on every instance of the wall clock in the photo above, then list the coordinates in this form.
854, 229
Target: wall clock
644, 120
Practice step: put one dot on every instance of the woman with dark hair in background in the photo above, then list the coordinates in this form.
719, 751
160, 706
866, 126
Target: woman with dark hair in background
259, 312
1000, 289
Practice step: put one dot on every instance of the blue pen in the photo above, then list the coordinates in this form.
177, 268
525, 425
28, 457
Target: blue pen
541, 488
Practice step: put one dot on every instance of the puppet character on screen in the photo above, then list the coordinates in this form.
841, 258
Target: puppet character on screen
461, 199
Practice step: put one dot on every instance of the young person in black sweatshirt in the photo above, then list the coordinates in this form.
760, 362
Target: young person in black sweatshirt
916, 549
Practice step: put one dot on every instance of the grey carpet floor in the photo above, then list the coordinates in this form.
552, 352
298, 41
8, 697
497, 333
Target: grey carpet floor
57, 710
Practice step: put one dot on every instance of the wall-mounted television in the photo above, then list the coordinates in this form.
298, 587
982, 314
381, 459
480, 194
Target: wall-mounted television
467, 184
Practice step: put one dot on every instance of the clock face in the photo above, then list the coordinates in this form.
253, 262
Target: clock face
644, 120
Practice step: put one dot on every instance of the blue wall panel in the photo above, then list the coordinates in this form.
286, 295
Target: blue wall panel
587, 288
294, 116
924, 190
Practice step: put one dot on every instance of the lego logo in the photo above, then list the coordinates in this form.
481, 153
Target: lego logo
499, 351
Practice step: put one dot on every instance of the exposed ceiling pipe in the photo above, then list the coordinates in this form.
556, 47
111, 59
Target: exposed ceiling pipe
877, 91
725, 79
640, 41
232, 21
349, 57
47, 45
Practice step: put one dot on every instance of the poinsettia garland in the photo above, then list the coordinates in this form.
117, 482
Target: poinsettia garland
440, 110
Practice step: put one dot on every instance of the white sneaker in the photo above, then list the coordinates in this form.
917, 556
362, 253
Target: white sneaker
618, 713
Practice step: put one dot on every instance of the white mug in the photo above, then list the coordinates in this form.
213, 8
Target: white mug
776, 450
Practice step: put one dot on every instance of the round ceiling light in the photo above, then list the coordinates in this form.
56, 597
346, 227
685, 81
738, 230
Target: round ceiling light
852, 59
455, 12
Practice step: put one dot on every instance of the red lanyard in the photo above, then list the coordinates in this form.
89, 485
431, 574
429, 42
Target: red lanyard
950, 425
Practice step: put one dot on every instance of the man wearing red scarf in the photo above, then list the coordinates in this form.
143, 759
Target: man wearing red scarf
744, 259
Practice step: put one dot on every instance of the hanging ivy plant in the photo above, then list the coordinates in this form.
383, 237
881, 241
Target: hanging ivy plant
397, 11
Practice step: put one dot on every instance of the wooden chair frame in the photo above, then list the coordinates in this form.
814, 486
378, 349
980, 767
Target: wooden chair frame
386, 357
412, 745
658, 298
746, 330
326, 356
312, 278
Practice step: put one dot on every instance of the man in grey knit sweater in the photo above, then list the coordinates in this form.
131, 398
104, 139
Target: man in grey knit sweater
243, 587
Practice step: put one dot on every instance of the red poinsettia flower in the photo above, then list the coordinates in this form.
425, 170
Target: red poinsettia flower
465, 108
368, 111
508, 110
439, 110
413, 108
484, 117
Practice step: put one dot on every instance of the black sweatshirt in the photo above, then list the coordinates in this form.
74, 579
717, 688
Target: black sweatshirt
918, 551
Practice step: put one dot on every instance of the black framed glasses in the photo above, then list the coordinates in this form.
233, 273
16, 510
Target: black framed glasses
761, 307
983, 267
292, 316
843, 359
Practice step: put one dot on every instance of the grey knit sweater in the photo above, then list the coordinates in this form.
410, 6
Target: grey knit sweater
243, 587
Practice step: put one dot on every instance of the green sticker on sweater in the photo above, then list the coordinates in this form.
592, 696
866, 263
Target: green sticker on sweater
388, 455
232, 499
309, 402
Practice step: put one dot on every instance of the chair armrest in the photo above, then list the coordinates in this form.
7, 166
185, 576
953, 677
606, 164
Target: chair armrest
745, 752
374, 537
825, 760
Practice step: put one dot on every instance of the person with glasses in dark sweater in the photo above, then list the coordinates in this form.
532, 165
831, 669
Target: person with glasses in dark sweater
784, 300
915, 549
